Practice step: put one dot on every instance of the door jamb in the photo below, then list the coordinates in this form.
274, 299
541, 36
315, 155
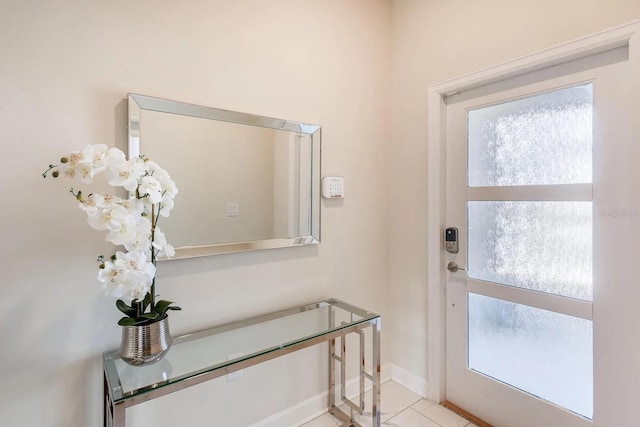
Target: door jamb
579, 48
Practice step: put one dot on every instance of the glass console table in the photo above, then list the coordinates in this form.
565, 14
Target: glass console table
202, 356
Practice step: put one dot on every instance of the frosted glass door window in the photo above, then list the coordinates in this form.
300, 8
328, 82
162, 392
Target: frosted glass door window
542, 246
532, 238
541, 352
538, 140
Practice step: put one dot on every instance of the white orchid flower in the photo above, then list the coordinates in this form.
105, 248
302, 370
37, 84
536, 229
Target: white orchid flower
109, 217
127, 174
114, 159
128, 277
161, 245
86, 163
168, 186
122, 232
69, 162
134, 206
89, 205
95, 155
121, 283
99, 201
112, 279
74, 158
136, 262
85, 170
166, 205
151, 188
140, 243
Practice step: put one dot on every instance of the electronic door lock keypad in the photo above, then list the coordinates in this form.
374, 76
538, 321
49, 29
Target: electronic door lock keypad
451, 240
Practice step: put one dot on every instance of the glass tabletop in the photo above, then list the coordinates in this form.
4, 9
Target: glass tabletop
220, 347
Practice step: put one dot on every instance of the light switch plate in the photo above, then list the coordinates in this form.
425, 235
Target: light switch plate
233, 209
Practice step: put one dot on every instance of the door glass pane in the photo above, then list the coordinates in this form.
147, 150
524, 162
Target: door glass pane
542, 246
541, 352
542, 139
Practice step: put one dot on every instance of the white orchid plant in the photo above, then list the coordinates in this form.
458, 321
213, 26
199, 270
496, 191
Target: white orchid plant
132, 222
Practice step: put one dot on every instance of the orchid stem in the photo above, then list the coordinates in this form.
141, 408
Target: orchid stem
154, 220
44, 174
138, 309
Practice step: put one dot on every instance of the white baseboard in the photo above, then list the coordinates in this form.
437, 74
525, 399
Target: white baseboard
315, 406
409, 380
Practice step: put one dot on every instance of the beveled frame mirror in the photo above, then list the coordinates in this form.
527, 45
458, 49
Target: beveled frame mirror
246, 182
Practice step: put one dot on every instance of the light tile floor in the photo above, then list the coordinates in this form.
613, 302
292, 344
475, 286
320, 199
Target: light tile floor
400, 407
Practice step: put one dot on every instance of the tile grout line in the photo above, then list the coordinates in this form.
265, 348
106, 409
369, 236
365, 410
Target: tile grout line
410, 408
389, 421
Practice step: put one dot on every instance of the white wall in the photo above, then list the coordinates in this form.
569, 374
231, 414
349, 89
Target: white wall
434, 41
65, 70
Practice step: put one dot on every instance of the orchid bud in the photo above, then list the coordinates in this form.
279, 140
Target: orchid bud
63, 160
55, 173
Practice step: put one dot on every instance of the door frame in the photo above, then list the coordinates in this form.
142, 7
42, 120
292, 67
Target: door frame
436, 142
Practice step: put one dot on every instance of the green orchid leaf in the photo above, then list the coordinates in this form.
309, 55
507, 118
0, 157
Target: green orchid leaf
127, 321
133, 319
146, 301
142, 320
162, 307
149, 316
126, 309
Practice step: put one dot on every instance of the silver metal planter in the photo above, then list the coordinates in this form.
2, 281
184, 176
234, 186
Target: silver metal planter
147, 344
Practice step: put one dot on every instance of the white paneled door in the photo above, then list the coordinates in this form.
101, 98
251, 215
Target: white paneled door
538, 174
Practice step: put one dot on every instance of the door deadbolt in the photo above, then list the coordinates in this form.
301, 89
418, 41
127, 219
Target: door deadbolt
451, 240
453, 267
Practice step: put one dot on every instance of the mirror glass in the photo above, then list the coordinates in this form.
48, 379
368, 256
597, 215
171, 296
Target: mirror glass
246, 182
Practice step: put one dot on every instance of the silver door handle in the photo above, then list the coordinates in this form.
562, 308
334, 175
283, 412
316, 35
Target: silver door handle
453, 267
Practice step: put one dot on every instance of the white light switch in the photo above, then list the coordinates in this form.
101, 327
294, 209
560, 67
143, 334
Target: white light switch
233, 209
333, 187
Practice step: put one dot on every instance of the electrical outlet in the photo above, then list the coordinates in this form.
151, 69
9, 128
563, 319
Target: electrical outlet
237, 375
